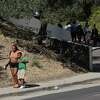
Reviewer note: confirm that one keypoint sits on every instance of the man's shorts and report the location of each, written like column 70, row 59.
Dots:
column 13, row 65
column 21, row 73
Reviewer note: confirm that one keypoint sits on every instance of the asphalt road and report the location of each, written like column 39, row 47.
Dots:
column 83, row 94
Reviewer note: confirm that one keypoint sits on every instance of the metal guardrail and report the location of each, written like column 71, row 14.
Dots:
column 77, row 53
column 95, row 59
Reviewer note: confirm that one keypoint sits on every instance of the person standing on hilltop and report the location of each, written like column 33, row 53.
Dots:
column 94, row 35
column 80, row 33
column 73, row 31
column 86, row 31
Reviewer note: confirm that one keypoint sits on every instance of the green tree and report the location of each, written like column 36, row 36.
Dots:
column 86, row 6
column 52, row 10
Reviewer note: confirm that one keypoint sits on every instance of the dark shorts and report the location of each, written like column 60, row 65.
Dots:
column 13, row 65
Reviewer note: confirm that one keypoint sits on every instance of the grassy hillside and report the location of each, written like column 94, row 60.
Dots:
column 95, row 18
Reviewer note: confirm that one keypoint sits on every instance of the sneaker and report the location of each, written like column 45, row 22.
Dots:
column 21, row 87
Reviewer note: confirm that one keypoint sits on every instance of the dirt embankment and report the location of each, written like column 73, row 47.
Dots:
column 41, row 68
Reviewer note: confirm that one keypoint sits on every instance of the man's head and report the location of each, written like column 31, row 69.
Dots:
column 14, row 48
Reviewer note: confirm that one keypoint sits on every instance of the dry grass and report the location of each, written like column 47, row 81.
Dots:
column 43, row 68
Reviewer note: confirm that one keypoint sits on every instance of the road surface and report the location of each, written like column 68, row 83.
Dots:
column 83, row 94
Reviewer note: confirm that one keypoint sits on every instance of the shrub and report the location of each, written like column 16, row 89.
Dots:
column 36, row 63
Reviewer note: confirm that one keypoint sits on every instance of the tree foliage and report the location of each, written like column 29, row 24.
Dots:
column 52, row 10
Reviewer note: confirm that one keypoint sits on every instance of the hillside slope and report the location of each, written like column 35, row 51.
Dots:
column 41, row 68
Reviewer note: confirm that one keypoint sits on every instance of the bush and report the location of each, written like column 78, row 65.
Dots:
column 36, row 63
column 95, row 17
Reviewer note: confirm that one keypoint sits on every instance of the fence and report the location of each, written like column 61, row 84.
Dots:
column 79, row 54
